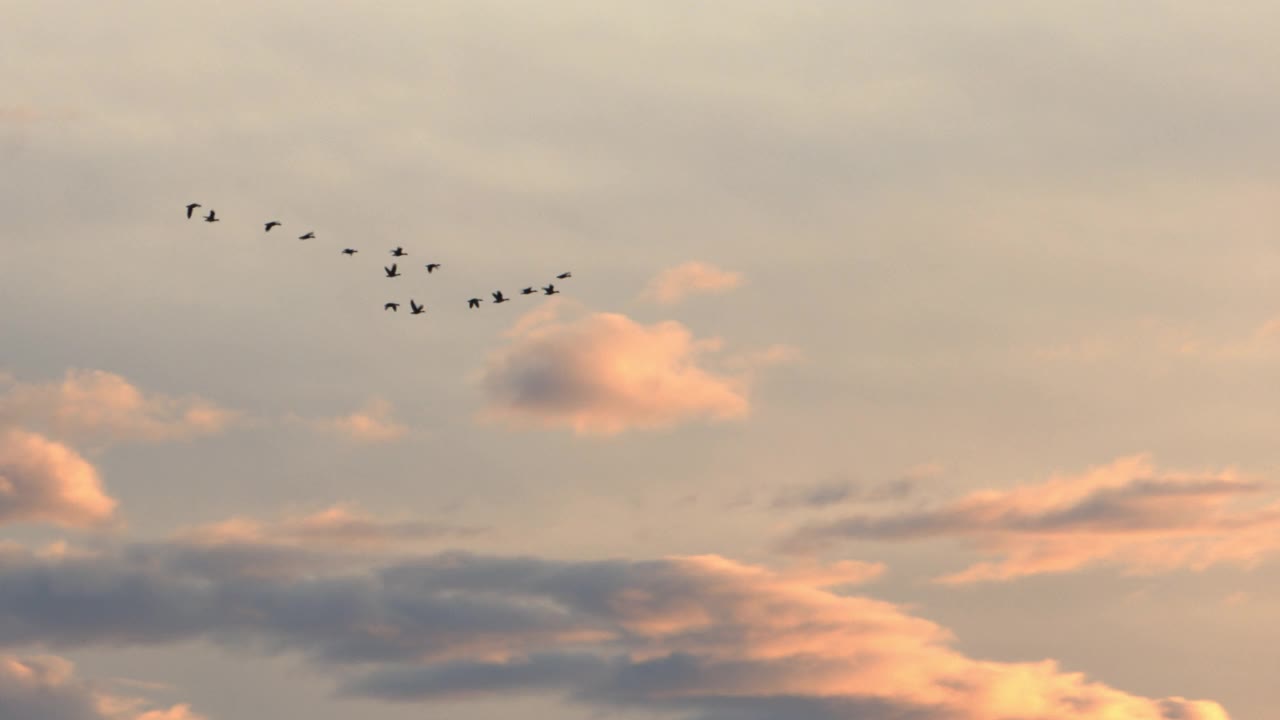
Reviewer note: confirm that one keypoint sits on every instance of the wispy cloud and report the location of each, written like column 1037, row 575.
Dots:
column 375, row 423
column 692, row 278
column 46, row 687
column 337, row 526
column 604, row 373
column 1128, row 514
column 97, row 406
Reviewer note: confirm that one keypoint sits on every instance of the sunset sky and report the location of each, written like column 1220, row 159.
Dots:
column 917, row 362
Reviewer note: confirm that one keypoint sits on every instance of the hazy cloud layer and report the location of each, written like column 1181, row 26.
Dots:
column 98, row 406
column 692, row 278
column 605, row 373
column 702, row 636
column 46, row 688
column 1127, row 514
column 45, row 481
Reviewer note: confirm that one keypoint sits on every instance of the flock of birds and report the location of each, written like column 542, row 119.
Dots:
column 393, row 270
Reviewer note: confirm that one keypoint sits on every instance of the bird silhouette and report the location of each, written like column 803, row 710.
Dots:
column 308, row 236
column 350, row 251
column 497, row 297
column 415, row 308
column 398, row 252
column 191, row 208
column 391, row 271
column 528, row 291
column 564, row 275
column 272, row 224
column 474, row 302
column 431, row 267
column 550, row 290
column 393, row 307
column 212, row 218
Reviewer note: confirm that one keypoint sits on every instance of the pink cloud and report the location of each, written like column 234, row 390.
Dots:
column 605, row 373
column 340, row 526
column 46, row 687
column 41, row 480
column 373, row 424
column 1126, row 514
column 675, row 284
column 100, row 406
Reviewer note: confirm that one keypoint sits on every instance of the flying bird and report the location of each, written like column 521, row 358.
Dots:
column 415, row 308
column 528, row 291
column 398, row 252
column 391, row 271
column 350, row 251
column 191, row 208
column 474, row 302
column 272, row 224
column 550, row 290
column 308, row 236
column 497, row 297
column 393, row 307
column 211, row 217
column 431, row 267
column 564, row 275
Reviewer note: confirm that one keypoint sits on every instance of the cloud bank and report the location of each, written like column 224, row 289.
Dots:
column 1126, row 514
column 701, row 637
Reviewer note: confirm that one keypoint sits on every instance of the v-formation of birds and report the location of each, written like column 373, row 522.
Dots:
column 393, row 270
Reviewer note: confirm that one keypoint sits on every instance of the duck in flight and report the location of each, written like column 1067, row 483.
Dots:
column 211, row 217
column 474, row 302
column 415, row 308
column 308, row 236
column 391, row 271
column 498, row 298
column 272, row 224
column 192, row 208
column 393, row 307
column 398, row 252
column 550, row 290
column 528, row 291
column 431, row 267
column 350, row 251
column 564, row 275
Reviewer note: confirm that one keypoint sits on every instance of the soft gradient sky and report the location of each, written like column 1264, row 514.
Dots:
column 918, row 361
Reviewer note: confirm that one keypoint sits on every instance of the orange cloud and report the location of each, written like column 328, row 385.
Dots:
column 101, row 406
column 41, row 480
column 373, row 424
column 674, row 284
column 605, row 373
column 1126, row 514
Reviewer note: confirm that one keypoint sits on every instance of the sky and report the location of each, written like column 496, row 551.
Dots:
column 916, row 361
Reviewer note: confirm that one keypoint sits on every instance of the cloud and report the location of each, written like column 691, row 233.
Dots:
column 1126, row 514
column 605, row 373
column 692, row 278
column 98, row 406
column 45, row 687
column 336, row 526
column 704, row 637
column 373, row 424
column 44, row 481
